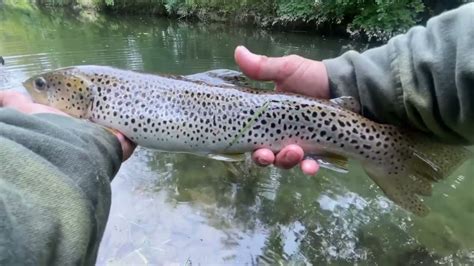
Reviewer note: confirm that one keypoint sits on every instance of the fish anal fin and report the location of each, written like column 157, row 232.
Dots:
column 401, row 189
column 242, row 169
column 434, row 160
column 347, row 102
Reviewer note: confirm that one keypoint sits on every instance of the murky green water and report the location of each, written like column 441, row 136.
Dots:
column 170, row 208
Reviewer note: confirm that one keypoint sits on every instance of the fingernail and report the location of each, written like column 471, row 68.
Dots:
column 242, row 47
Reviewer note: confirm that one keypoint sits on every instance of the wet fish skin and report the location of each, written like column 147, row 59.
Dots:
column 171, row 113
column 175, row 114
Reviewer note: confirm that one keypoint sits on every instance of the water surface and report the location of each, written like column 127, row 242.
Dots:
column 175, row 208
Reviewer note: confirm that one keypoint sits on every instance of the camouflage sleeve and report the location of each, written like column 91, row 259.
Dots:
column 424, row 77
column 55, row 178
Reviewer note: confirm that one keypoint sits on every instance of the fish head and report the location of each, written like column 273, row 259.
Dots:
column 63, row 89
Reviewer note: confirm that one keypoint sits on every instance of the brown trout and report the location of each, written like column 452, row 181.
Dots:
column 174, row 113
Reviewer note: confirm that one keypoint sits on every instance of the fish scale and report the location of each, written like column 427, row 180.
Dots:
column 173, row 113
column 190, row 118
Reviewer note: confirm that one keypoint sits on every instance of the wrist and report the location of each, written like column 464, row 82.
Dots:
column 322, row 89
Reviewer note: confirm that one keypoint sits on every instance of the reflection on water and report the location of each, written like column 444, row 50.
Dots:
column 187, row 209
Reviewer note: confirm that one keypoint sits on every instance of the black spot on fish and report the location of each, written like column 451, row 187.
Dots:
column 305, row 117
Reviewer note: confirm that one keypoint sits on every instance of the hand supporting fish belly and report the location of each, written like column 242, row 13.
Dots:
column 177, row 114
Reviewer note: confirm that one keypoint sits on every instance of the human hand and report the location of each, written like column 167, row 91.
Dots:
column 24, row 104
column 290, row 74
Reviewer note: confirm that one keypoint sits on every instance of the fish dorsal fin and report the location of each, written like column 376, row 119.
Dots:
column 331, row 161
column 347, row 102
column 219, row 77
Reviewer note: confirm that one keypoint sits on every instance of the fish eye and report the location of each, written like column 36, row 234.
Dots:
column 40, row 83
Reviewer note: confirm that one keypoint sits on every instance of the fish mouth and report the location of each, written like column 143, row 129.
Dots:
column 27, row 85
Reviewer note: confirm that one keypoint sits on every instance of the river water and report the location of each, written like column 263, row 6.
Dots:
column 175, row 208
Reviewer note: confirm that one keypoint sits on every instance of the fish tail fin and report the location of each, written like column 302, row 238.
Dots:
column 422, row 164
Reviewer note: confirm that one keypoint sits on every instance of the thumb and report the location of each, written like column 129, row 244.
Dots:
column 260, row 67
column 290, row 73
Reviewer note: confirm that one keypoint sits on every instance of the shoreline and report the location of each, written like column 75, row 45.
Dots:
column 237, row 17
column 373, row 22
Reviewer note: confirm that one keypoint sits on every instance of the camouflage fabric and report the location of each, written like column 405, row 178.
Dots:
column 424, row 77
column 54, row 188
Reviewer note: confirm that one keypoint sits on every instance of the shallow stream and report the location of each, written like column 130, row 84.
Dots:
column 176, row 208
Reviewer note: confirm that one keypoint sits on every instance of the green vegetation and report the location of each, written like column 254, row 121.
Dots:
column 372, row 19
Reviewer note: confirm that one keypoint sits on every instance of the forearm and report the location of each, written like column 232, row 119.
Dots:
column 424, row 77
column 54, row 180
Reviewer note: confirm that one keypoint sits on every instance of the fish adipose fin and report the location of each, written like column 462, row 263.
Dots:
column 347, row 102
column 426, row 163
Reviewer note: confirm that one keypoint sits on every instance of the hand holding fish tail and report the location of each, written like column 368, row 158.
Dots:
column 291, row 74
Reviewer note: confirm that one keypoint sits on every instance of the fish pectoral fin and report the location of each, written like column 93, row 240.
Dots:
column 404, row 190
column 111, row 130
column 236, row 157
column 347, row 102
column 331, row 161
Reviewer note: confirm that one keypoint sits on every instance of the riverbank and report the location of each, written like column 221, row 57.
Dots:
column 367, row 20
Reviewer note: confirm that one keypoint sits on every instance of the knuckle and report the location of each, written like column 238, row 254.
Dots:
column 289, row 66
